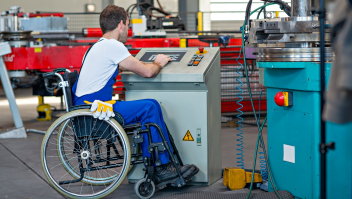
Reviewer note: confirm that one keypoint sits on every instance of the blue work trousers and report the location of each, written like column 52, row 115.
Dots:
column 145, row 111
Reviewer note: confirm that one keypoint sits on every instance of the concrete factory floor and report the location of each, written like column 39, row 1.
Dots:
column 21, row 174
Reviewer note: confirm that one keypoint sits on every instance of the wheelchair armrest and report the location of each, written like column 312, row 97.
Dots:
column 132, row 126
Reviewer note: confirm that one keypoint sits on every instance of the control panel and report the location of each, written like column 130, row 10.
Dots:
column 188, row 91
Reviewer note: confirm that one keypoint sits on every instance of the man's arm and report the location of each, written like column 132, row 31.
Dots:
column 145, row 70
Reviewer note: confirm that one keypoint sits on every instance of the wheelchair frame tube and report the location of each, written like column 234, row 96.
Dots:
column 63, row 86
column 166, row 145
column 174, row 146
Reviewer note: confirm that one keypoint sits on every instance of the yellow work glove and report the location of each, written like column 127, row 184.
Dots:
column 102, row 110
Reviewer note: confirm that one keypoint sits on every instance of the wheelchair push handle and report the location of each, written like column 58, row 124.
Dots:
column 58, row 70
column 45, row 75
column 61, row 70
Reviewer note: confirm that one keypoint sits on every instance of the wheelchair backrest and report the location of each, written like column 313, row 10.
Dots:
column 71, row 79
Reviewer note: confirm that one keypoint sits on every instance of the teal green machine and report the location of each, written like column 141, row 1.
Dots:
column 288, row 57
column 294, row 133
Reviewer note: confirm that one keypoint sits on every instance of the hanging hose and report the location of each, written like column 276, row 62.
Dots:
column 263, row 170
column 240, row 162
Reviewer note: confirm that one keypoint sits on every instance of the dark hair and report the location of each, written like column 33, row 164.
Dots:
column 110, row 18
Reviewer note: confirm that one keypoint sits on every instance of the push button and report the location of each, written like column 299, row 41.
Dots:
column 200, row 56
column 195, row 63
column 195, row 56
column 201, row 49
column 283, row 98
column 198, row 59
column 190, row 63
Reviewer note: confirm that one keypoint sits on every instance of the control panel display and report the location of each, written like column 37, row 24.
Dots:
column 150, row 56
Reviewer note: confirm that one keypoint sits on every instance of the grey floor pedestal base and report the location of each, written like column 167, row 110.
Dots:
column 13, row 133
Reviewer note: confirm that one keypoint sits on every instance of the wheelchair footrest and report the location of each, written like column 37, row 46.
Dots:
column 179, row 183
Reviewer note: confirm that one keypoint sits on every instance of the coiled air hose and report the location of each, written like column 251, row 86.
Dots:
column 260, row 128
column 240, row 162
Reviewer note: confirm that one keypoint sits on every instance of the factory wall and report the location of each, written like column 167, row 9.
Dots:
column 50, row 5
column 79, row 6
column 75, row 5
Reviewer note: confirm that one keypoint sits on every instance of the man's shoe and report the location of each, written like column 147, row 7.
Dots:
column 182, row 169
column 167, row 174
column 163, row 173
column 192, row 174
column 168, row 171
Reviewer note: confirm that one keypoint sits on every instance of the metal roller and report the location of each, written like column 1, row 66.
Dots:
column 293, row 54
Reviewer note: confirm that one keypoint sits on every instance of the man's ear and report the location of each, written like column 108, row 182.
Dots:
column 121, row 25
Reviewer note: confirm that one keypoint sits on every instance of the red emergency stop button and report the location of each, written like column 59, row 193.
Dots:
column 201, row 49
column 279, row 99
column 283, row 98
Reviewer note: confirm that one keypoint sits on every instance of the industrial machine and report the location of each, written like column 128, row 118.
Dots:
column 15, row 20
column 148, row 24
column 188, row 90
column 288, row 55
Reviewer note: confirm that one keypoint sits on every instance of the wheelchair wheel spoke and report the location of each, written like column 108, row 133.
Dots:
column 90, row 133
column 65, row 174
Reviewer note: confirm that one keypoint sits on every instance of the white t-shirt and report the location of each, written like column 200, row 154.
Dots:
column 100, row 64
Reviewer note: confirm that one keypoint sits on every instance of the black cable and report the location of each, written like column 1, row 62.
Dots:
column 284, row 6
column 156, row 9
column 138, row 5
column 260, row 11
column 322, row 102
column 128, row 9
column 149, row 7
column 248, row 12
column 264, row 10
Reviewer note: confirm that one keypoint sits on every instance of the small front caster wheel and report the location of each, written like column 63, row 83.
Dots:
column 144, row 191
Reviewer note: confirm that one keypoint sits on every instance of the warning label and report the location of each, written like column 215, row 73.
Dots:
column 188, row 137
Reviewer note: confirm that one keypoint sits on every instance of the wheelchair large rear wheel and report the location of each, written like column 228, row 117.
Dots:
column 83, row 157
column 75, row 172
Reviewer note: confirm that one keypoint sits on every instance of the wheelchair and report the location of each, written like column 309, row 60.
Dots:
column 84, row 157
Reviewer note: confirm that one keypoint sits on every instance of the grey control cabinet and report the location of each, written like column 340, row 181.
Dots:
column 189, row 97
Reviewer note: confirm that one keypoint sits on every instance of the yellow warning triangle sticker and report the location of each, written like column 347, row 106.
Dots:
column 188, row 137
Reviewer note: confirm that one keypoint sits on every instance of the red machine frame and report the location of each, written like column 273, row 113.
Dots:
column 48, row 58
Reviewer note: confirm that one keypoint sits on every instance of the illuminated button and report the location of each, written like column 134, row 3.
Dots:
column 195, row 63
column 198, row 59
column 200, row 56
column 190, row 63
column 193, row 59
column 195, row 56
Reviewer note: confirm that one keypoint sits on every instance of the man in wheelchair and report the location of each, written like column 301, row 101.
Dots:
column 100, row 66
